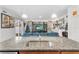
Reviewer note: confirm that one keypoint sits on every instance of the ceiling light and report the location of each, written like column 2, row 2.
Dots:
column 40, row 16
column 24, row 16
column 54, row 16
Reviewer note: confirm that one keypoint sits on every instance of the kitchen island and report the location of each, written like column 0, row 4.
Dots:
column 40, row 45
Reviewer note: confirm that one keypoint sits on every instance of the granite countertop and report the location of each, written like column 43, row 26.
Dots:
column 58, row 44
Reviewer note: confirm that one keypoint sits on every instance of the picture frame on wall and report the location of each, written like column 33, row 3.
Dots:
column 6, row 21
column 74, row 12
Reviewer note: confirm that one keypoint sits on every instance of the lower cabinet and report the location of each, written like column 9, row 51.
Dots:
column 8, row 52
column 39, row 52
column 69, row 52
column 48, row 52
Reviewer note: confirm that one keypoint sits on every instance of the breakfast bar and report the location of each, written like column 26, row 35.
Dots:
column 40, row 45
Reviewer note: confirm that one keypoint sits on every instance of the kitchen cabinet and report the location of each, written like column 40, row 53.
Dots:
column 39, row 52
column 48, row 52
column 69, row 52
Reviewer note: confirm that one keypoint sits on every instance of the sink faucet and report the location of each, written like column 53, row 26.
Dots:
column 39, row 37
column 50, row 44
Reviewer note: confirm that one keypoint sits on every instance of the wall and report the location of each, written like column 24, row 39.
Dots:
column 73, row 25
column 6, row 33
column 50, row 26
column 20, row 29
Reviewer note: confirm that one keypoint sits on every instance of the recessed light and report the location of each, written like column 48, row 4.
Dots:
column 40, row 16
column 24, row 16
column 54, row 16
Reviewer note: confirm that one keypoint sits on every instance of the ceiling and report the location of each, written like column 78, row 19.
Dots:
column 34, row 11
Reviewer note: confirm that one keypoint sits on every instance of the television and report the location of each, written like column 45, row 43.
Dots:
column 39, row 27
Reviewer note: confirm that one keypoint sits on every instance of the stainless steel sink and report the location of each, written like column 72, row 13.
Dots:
column 39, row 44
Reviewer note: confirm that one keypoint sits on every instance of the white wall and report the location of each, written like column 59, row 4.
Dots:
column 73, row 25
column 6, row 33
column 22, row 28
column 19, row 29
